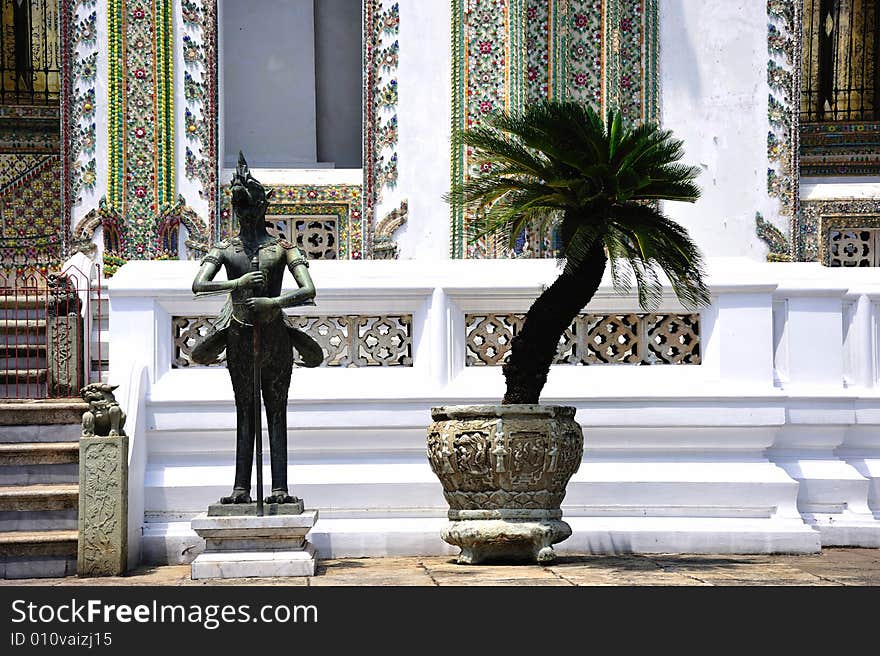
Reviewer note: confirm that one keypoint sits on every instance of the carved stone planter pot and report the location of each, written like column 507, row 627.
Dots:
column 504, row 469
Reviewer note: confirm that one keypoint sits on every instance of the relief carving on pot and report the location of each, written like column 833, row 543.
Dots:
column 505, row 463
column 528, row 451
column 568, row 453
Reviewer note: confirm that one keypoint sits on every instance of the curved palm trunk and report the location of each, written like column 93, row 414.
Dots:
column 533, row 349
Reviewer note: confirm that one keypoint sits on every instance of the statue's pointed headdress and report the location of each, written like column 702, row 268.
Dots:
column 242, row 171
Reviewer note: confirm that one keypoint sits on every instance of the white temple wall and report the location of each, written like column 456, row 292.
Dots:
column 761, row 447
column 713, row 91
column 425, row 118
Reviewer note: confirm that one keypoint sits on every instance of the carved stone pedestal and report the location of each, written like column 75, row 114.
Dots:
column 103, row 506
column 504, row 470
column 247, row 546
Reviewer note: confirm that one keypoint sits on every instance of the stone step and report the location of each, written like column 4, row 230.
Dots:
column 22, row 376
column 41, row 433
column 15, row 350
column 39, row 497
column 38, row 554
column 38, row 543
column 25, row 412
column 39, row 453
column 17, row 326
column 20, row 301
column 67, row 473
column 32, row 463
column 33, row 360
column 39, row 520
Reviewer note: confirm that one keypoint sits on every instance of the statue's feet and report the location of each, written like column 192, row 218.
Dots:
column 237, row 496
column 281, row 496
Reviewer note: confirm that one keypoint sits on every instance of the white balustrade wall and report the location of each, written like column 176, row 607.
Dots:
column 770, row 444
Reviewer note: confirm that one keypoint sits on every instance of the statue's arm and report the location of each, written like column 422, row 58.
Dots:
column 299, row 267
column 204, row 282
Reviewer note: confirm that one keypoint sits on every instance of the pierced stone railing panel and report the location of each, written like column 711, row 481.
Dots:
column 383, row 341
column 592, row 339
column 610, row 338
column 488, row 337
column 347, row 340
column 853, row 248
column 673, row 338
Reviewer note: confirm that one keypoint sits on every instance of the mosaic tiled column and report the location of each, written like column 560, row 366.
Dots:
column 784, row 38
column 197, row 40
column 507, row 53
column 141, row 181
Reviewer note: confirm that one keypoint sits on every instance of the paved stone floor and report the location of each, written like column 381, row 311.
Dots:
column 833, row 567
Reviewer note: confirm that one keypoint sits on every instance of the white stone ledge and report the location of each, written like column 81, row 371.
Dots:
column 340, row 538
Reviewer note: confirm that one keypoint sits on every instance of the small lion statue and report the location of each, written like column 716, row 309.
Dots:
column 104, row 417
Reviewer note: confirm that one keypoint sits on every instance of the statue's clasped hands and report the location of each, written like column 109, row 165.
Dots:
column 259, row 305
column 251, row 280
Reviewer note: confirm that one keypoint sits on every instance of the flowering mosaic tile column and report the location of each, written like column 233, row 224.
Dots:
column 141, row 179
column 507, row 53
column 198, row 35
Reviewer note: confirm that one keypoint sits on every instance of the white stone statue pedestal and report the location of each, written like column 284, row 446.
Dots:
column 247, row 546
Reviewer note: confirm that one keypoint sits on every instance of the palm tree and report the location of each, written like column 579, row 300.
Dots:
column 559, row 161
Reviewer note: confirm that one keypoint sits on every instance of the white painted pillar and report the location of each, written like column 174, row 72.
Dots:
column 814, row 336
column 740, row 345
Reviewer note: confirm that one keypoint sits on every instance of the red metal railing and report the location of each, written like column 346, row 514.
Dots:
column 46, row 334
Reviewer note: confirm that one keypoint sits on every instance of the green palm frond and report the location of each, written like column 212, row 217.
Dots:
column 559, row 161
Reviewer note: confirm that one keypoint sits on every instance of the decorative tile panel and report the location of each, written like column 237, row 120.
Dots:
column 783, row 78
column 198, row 34
column 507, row 53
column 818, row 217
column 319, row 206
column 840, row 149
column 141, row 181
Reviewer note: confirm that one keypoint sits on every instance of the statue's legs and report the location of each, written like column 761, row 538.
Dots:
column 277, row 369
column 239, row 361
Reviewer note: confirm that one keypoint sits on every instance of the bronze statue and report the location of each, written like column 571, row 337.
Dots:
column 258, row 337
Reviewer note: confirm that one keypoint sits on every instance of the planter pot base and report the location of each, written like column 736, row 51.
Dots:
column 484, row 540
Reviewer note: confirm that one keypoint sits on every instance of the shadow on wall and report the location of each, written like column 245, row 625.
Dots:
column 677, row 51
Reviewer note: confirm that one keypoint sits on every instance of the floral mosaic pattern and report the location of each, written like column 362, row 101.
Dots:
column 30, row 211
column 480, row 78
column 783, row 44
column 381, row 57
column 199, row 35
column 510, row 52
column 582, row 55
column 538, row 45
column 80, row 49
column 635, row 91
column 141, row 122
